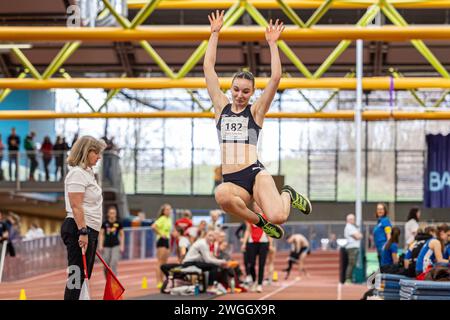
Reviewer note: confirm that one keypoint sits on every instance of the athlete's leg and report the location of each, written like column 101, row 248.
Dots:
column 301, row 264
column 234, row 199
column 275, row 206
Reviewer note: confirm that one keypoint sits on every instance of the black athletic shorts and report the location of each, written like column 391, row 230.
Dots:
column 162, row 242
column 245, row 178
column 295, row 255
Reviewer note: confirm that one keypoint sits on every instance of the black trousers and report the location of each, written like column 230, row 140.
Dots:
column 260, row 249
column 33, row 165
column 46, row 164
column 75, row 276
column 215, row 272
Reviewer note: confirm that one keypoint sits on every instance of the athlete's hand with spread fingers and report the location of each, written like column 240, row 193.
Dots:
column 216, row 20
column 273, row 31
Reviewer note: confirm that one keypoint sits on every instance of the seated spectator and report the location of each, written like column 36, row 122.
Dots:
column 2, row 148
column 4, row 234
column 410, row 258
column 196, row 232
column 34, row 232
column 389, row 253
column 432, row 252
column 200, row 256
column 220, row 237
column 182, row 243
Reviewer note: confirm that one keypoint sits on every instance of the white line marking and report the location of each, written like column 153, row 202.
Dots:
column 278, row 290
column 339, row 291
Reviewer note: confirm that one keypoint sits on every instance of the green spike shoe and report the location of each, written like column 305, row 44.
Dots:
column 298, row 200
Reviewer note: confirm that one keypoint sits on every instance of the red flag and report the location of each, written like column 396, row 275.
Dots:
column 113, row 288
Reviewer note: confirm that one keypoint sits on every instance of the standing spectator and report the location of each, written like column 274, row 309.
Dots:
column 60, row 149
column 217, row 177
column 34, row 232
column 256, row 244
column 13, row 154
column 332, row 242
column 353, row 236
column 2, row 148
column 162, row 228
column 214, row 223
column 411, row 226
column 13, row 223
column 30, row 147
column 111, row 240
column 75, row 138
column 382, row 231
column 84, row 202
column 185, row 222
column 108, row 158
column 47, row 150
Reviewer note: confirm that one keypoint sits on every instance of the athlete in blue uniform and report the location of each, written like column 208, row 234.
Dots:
column 238, row 126
column 389, row 254
column 432, row 252
column 447, row 251
column 382, row 231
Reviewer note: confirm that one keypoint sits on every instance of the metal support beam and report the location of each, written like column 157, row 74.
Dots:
column 295, row 4
column 4, row 66
column 374, row 83
column 348, row 115
column 238, row 33
column 358, row 130
column 398, row 20
column 365, row 20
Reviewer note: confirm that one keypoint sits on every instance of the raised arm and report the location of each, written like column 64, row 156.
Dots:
column 219, row 99
column 262, row 105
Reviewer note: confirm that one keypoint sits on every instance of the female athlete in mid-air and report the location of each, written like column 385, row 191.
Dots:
column 238, row 126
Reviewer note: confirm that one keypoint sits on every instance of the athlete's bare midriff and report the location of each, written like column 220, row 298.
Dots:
column 237, row 156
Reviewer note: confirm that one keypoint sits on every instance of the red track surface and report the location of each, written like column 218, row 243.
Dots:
column 321, row 284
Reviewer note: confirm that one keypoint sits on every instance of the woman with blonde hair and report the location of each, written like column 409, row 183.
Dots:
column 84, row 207
column 162, row 227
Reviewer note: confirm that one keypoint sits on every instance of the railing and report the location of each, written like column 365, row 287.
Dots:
column 39, row 256
column 34, row 170
column 323, row 174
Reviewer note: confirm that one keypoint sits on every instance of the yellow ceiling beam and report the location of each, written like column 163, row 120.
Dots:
column 294, row 4
column 339, row 115
column 373, row 83
column 237, row 33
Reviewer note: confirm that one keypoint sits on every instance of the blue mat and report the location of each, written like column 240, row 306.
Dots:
column 426, row 285
column 405, row 296
column 415, row 291
column 388, row 276
column 386, row 295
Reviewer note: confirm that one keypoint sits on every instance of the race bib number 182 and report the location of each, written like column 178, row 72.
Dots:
column 234, row 128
